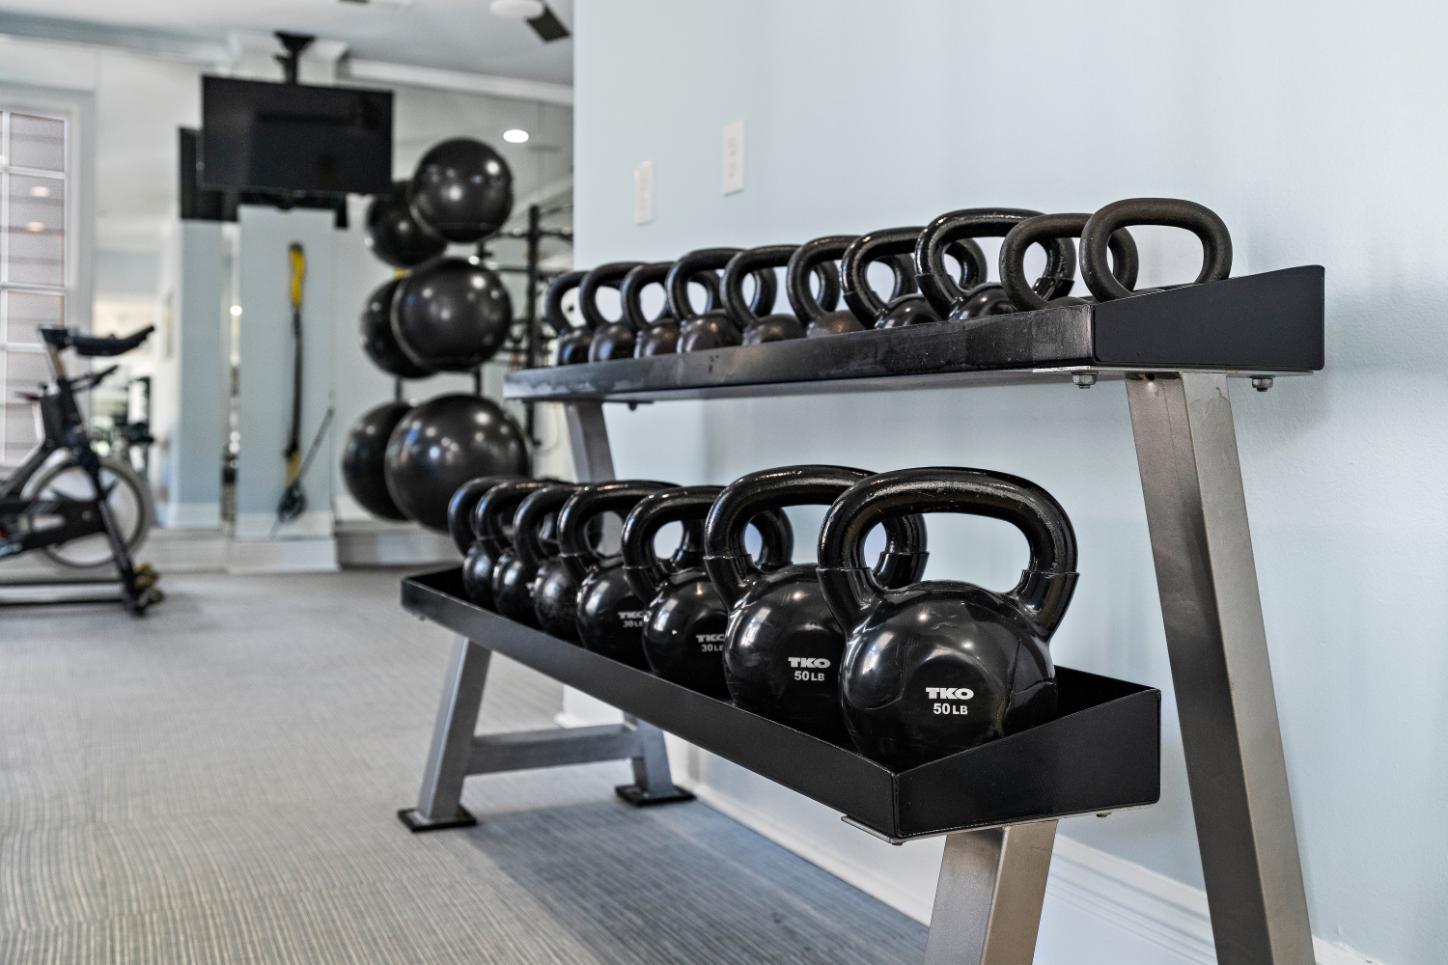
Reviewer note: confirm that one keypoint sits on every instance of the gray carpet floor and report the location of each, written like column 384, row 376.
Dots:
column 218, row 782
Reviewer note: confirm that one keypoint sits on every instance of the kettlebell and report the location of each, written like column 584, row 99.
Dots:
column 660, row 335
column 940, row 666
column 489, row 541
column 779, row 326
column 1201, row 221
column 684, row 621
column 954, row 301
column 711, row 329
column 1046, row 227
column 813, row 258
column 910, row 308
column 460, row 510
column 783, row 646
column 611, row 339
column 493, row 518
column 572, row 341
column 608, row 616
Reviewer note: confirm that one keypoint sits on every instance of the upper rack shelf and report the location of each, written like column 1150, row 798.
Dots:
column 1267, row 324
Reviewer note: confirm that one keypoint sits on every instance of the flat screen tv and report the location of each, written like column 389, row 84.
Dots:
column 257, row 135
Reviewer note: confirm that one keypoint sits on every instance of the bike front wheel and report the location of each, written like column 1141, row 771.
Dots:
column 128, row 499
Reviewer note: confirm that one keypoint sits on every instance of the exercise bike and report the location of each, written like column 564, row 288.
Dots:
column 82, row 510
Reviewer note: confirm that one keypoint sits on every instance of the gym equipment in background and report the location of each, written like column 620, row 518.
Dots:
column 685, row 617
column 462, row 190
column 611, row 339
column 608, row 614
column 949, row 300
column 395, row 235
column 659, row 335
column 378, row 340
column 755, row 329
column 293, row 501
column 1168, row 212
column 1049, row 227
column 452, row 315
column 938, row 667
column 81, row 510
column 364, row 459
column 441, row 444
column 784, row 647
column 571, row 340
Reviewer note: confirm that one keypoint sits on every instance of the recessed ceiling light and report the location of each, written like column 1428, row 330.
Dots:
column 515, row 135
column 40, row 191
column 35, row 227
column 235, row 311
column 517, row 9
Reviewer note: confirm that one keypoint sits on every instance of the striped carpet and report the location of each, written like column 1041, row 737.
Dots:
column 217, row 782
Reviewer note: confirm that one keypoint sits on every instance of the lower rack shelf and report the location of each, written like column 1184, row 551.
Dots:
column 1101, row 753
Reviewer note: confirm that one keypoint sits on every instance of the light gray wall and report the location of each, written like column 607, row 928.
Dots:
column 126, row 274
column 1317, row 131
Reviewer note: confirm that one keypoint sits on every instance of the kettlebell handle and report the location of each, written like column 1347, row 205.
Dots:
column 728, row 564
column 1201, row 221
column 942, row 291
column 553, row 318
column 761, row 262
column 502, row 500
column 530, row 516
column 608, row 275
column 630, row 291
column 643, row 569
column 812, row 259
column 686, row 269
column 1046, row 227
column 587, row 504
column 895, row 246
column 1046, row 584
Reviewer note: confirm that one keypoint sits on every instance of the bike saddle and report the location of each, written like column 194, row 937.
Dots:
column 92, row 346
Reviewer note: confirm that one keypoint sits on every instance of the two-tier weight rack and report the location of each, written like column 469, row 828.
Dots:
column 998, row 804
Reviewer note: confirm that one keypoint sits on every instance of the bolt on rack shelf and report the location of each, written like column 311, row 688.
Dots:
column 1177, row 351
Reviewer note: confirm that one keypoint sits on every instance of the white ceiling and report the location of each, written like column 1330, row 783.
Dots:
column 450, row 34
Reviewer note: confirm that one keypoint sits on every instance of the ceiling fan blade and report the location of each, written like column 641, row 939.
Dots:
column 547, row 26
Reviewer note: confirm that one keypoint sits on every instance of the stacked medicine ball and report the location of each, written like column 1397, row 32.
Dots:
column 851, row 652
column 704, row 291
column 440, row 314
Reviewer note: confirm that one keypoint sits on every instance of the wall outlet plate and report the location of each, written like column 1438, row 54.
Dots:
column 733, row 157
column 644, row 192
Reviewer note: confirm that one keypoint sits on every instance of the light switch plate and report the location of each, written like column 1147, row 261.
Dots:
column 733, row 157
column 644, row 192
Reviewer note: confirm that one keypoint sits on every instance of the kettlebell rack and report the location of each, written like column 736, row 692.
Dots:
column 998, row 804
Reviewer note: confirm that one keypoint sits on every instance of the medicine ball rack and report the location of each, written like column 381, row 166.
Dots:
column 1176, row 350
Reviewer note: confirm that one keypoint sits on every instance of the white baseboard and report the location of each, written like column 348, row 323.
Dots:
column 282, row 556
column 311, row 525
column 383, row 543
column 175, row 516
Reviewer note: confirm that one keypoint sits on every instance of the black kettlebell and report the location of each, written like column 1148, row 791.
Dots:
column 937, row 667
column 1201, row 221
column 493, row 519
column 608, row 615
column 611, row 339
column 488, row 544
column 684, row 621
column 783, row 646
column 954, row 301
column 779, row 326
column 910, row 308
column 812, row 259
column 1047, row 227
column 573, row 341
column 659, row 335
column 460, row 510
column 718, row 328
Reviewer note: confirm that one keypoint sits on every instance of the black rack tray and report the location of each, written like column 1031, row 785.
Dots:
column 1102, row 753
column 1267, row 324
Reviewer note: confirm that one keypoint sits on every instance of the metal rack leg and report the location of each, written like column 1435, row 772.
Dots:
column 439, row 805
column 653, row 783
column 988, row 900
column 1186, row 448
